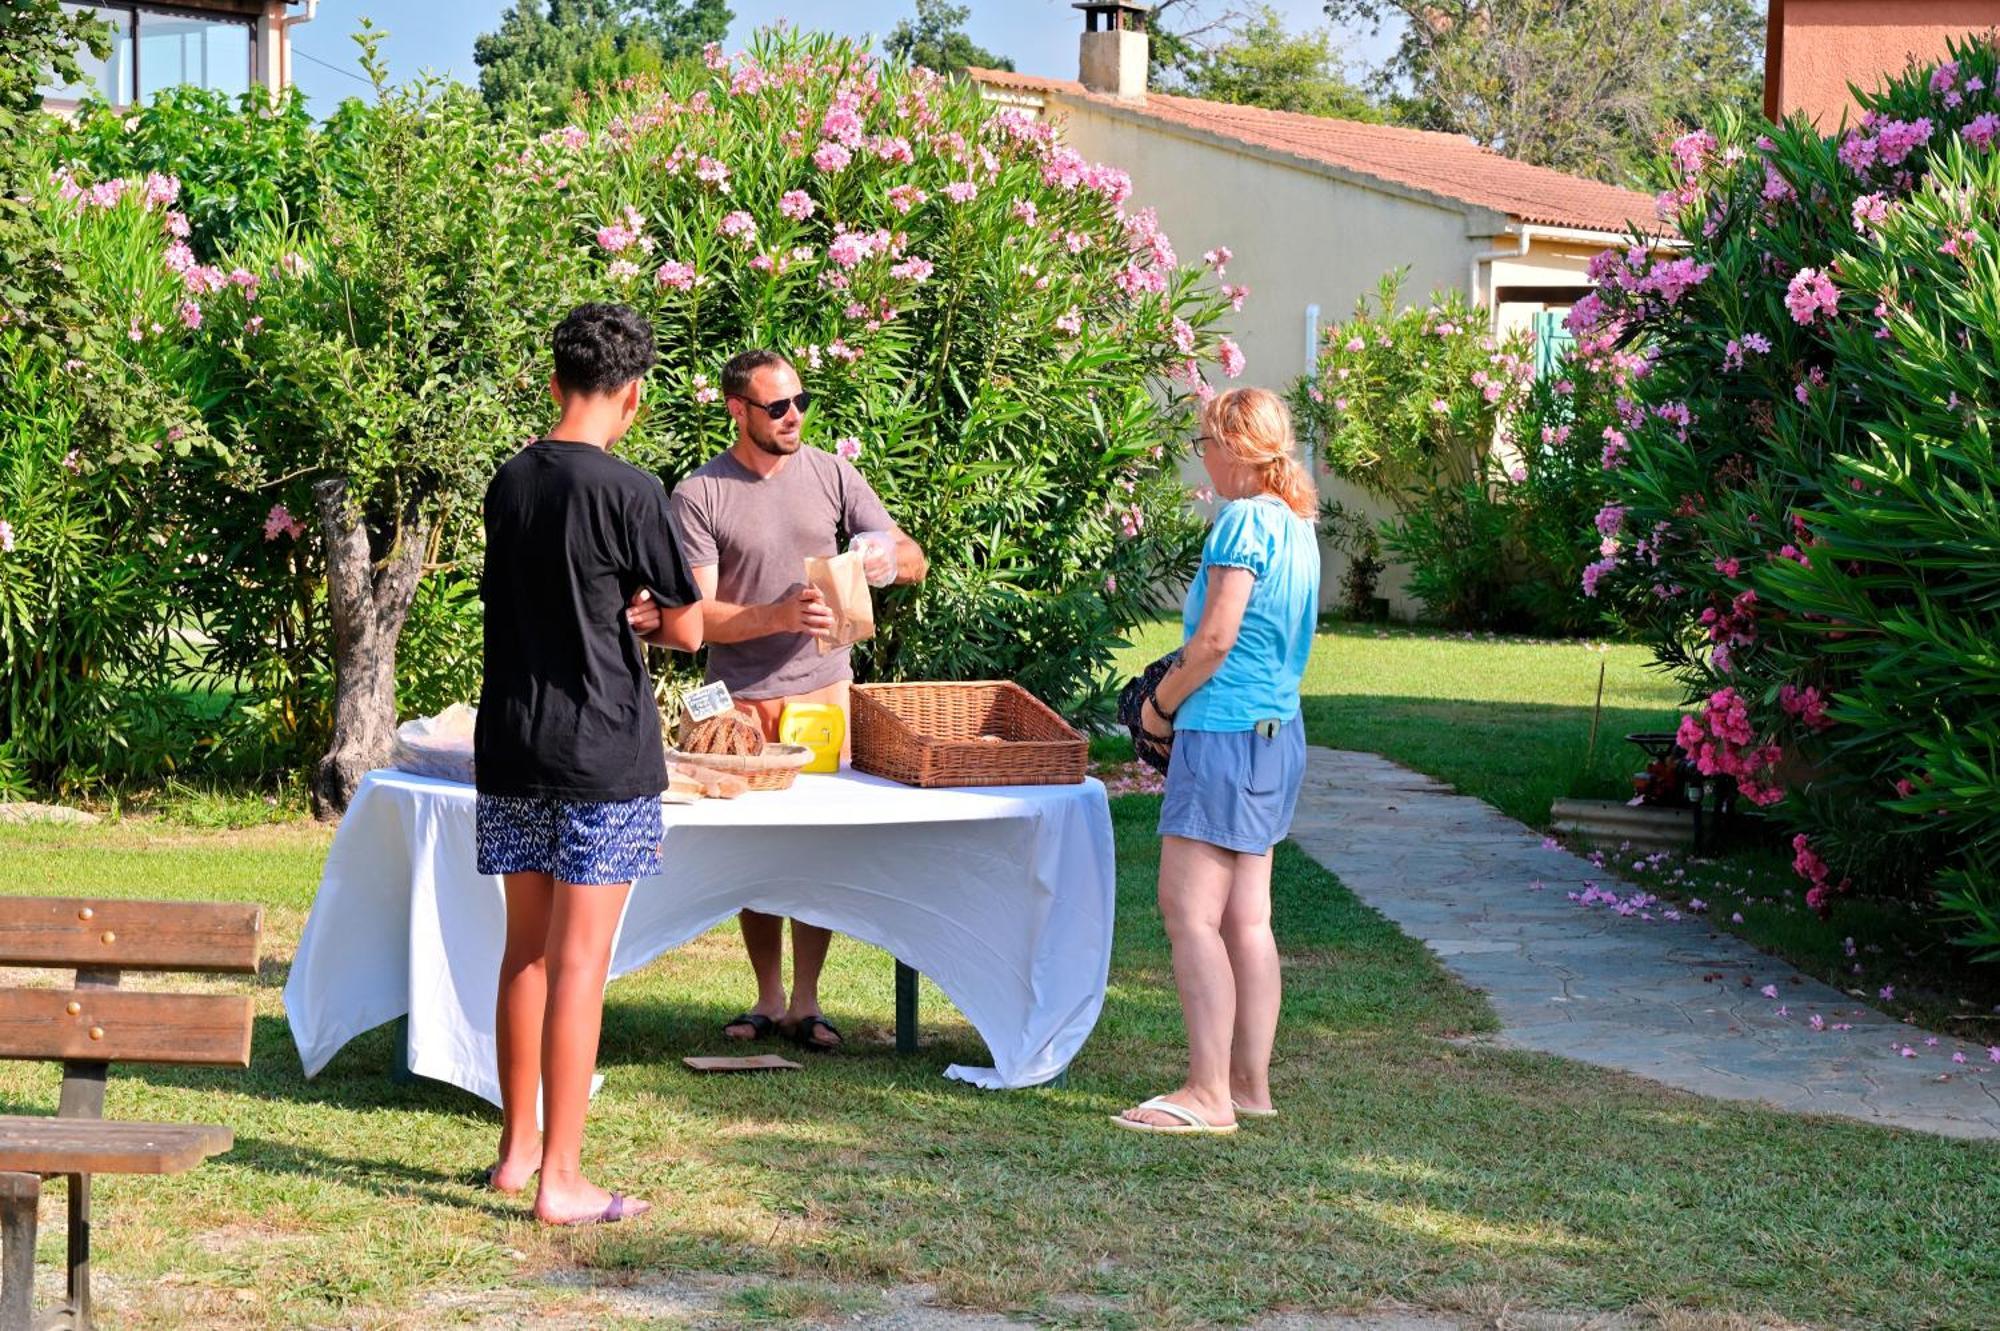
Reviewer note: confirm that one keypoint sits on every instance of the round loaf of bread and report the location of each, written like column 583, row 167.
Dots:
column 727, row 734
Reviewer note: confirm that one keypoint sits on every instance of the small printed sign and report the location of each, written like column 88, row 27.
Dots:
column 706, row 701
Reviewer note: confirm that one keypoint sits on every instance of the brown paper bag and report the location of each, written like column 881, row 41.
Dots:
column 843, row 581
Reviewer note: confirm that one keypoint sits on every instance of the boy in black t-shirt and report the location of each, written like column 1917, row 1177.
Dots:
column 567, row 750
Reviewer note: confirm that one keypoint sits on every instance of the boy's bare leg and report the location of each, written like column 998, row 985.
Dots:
column 517, row 1026
column 581, row 926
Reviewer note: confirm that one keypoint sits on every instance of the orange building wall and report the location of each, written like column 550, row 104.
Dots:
column 1817, row 47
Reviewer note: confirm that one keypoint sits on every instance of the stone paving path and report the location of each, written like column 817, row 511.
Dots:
column 1588, row 984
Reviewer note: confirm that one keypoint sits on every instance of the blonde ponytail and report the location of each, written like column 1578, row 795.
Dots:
column 1256, row 428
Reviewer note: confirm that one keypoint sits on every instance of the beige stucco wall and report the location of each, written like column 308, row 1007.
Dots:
column 1301, row 237
column 1827, row 44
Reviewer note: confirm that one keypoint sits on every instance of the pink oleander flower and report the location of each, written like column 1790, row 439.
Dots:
column 912, row 270
column 673, row 273
column 711, row 172
column 1235, row 295
column 190, row 314
column 797, row 205
column 1070, row 322
column 161, row 191
column 1776, row 188
column 6, row 537
column 738, row 226
column 1728, row 568
column 623, row 270
column 280, row 522
column 832, row 158
column 848, row 447
column 1810, row 294
column 1218, row 259
column 1356, row 344
column 961, row 191
column 1596, row 573
column 1024, row 211
column 1869, row 211
column 905, row 197
column 1231, row 357
column 179, row 257
column 1982, row 130
column 1610, row 519
column 1183, row 336
column 704, row 391
column 1616, row 448
column 293, row 265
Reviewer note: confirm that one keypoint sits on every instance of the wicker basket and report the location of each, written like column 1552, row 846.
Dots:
column 989, row 734
column 773, row 769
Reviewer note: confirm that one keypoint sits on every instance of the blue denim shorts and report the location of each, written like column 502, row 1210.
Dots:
column 1234, row 788
column 574, row 840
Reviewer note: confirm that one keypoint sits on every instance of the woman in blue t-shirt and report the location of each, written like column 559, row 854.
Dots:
column 1239, row 755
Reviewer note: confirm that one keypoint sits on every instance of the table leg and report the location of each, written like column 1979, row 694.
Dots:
column 906, row 1009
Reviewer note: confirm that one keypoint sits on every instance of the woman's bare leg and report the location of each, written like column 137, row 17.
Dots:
column 1195, row 883
column 1253, row 960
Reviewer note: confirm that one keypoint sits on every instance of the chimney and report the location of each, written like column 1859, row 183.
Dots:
column 1113, row 53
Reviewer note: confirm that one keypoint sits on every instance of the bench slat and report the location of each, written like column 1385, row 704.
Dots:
column 131, row 935
column 34, row 1145
column 210, row 1029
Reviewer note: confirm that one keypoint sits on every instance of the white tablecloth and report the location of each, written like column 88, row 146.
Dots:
column 1002, row 896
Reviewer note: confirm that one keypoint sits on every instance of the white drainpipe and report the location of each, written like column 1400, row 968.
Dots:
column 285, row 35
column 1485, row 299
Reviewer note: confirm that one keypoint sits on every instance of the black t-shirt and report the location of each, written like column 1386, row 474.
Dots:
column 567, row 709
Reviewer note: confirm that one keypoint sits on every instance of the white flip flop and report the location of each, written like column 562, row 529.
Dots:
column 1243, row 1111
column 1191, row 1123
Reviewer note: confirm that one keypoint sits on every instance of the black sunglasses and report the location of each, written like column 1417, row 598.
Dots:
column 777, row 410
column 1201, row 443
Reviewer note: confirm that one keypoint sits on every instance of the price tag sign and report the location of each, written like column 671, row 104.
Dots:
column 706, row 701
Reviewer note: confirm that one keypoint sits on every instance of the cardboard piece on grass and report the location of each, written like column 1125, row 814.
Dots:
column 753, row 1063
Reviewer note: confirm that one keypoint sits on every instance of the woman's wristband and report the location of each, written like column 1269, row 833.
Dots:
column 1162, row 712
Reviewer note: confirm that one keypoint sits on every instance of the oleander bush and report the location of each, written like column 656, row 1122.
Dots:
column 1486, row 466
column 1006, row 351
column 1804, row 480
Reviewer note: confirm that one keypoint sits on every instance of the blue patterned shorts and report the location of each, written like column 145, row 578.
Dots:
column 574, row 840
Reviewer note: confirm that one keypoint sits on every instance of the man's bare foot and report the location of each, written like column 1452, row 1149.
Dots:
column 1216, row 1115
column 746, row 1030
column 584, row 1203
column 812, row 1029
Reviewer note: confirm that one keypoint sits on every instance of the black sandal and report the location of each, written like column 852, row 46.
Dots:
column 760, row 1025
column 802, row 1033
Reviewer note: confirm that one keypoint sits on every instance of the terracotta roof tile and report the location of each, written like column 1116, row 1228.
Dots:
column 1446, row 165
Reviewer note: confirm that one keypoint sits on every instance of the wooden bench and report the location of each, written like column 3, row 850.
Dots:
column 91, row 1026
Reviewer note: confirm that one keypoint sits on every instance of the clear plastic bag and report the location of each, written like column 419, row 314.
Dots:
column 437, row 746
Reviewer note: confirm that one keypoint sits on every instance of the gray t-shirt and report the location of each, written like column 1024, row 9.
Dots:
column 757, row 531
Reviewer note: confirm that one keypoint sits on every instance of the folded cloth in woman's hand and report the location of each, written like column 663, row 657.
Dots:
column 1153, row 751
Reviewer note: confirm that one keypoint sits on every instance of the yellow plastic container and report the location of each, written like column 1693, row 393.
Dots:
column 820, row 726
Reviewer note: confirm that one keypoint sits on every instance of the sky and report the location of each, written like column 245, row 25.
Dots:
column 1039, row 35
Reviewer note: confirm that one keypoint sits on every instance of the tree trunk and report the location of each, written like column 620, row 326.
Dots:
column 368, row 601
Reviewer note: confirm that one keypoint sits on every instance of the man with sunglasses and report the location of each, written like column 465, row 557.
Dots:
column 748, row 519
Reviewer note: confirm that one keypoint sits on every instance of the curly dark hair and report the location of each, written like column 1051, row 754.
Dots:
column 600, row 348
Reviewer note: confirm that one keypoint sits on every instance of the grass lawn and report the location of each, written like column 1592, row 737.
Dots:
column 1506, row 719
column 1411, row 1162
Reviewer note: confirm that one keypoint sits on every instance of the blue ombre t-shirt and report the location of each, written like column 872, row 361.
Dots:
column 1259, row 679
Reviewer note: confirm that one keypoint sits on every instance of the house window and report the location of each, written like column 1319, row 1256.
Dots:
column 155, row 47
